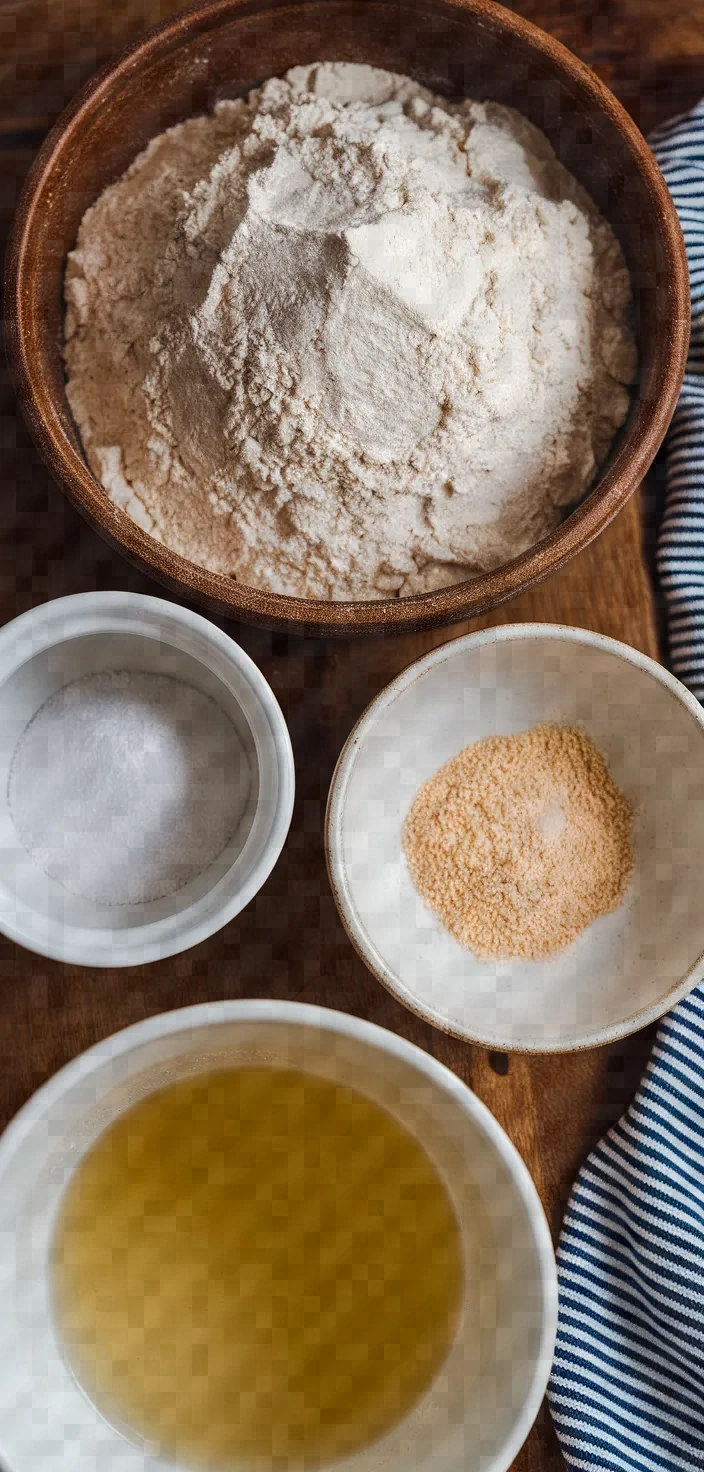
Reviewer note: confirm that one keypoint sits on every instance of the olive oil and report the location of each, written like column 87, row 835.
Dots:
column 257, row 1268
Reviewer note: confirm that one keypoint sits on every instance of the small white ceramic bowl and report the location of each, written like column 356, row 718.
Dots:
column 43, row 650
column 629, row 967
column 483, row 1401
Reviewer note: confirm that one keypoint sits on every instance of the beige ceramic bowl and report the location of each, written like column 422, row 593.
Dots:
column 630, row 966
column 457, row 47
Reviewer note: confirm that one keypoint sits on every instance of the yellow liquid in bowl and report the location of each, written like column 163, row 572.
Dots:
column 257, row 1268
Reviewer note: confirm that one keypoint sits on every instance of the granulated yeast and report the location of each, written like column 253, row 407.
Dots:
column 520, row 842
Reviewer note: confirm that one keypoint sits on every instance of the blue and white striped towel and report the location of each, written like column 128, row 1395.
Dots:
column 679, row 149
column 627, row 1387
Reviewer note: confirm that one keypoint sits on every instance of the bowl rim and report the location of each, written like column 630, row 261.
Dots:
column 333, row 827
column 328, row 1019
column 39, row 399
column 80, row 615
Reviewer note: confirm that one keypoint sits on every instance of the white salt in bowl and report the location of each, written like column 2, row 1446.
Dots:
column 626, row 969
column 477, row 1412
column 44, row 650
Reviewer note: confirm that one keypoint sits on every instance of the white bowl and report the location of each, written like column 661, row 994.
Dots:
column 630, row 966
column 482, row 1403
column 43, row 650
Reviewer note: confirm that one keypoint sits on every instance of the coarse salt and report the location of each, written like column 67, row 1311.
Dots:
column 125, row 785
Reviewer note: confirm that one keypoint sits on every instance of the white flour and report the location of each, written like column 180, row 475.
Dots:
column 345, row 339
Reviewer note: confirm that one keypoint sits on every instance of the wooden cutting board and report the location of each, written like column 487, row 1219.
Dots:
column 289, row 941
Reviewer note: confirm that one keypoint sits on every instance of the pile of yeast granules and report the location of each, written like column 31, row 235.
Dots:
column 520, row 842
column 345, row 339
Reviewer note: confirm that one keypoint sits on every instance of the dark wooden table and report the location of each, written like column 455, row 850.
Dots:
column 289, row 942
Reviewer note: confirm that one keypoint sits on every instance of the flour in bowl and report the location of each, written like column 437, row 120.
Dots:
column 345, row 339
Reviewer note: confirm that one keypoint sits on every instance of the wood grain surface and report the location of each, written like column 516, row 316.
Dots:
column 289, row 942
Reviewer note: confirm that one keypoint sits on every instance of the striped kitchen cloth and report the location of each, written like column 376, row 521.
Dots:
column 627, row 1386
column 679, row 149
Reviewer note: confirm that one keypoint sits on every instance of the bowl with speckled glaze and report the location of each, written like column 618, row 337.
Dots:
column 629, row 966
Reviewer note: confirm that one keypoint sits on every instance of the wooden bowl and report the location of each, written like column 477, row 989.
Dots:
column 456, row 47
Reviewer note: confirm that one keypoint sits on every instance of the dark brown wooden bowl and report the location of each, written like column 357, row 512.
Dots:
column 456, row 47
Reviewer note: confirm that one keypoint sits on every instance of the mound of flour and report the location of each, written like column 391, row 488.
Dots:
column 344, row 339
